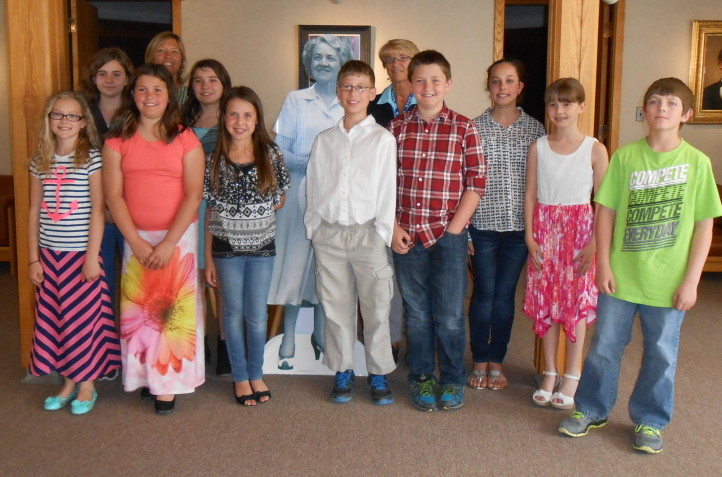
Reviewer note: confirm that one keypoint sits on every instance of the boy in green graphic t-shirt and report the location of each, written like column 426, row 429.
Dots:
column 653, row 230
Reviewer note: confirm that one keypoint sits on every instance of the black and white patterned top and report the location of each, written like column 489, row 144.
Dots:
column 501, row 209
column 242, row 221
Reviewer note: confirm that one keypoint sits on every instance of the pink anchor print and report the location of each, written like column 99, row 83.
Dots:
column 59, row 172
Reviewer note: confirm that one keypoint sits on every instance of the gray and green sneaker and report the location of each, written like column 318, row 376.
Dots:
column 423, row 389
column 578, row 425
column 647, row 439
column 451, row 397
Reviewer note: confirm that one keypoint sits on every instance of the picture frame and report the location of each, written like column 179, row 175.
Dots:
column 358, row 36
column 705, row 76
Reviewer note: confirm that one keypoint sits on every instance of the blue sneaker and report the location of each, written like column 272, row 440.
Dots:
column 380, row 392
column 423, row 388
column 343, row 389
column 451, row 398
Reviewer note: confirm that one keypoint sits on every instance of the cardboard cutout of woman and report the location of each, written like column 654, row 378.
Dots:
column 304, row 114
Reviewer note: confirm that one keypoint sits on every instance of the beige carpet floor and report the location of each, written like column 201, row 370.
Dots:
column 300, row 433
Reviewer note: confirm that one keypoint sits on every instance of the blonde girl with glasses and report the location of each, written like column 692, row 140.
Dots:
column 75, row 335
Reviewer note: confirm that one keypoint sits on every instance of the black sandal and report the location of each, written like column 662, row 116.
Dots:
column 260, row 394
column 242, row 400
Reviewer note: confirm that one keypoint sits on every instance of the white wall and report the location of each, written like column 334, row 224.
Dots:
column 257, row 41
column 5, row 162
column 658, row 43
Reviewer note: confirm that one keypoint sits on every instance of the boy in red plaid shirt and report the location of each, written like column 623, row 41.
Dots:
column 441, row 177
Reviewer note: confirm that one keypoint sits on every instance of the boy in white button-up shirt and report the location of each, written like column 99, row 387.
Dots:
column 351, row 200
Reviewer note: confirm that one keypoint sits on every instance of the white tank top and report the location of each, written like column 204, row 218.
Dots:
column 564, row 179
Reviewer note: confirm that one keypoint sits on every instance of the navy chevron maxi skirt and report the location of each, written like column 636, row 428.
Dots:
column 75, row 334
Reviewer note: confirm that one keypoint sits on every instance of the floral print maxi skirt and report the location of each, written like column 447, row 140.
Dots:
column 161, row 320
column 556, row 293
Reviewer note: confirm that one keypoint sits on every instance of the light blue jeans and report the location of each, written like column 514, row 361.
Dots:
column 245, row 281
column 652, row 400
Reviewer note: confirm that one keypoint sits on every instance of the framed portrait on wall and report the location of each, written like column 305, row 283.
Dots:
column 357, row 38
column 706, row 71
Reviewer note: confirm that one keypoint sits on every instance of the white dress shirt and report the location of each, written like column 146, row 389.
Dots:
column 351, row 178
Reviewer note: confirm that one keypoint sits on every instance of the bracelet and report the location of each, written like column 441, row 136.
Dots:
column 36, row 261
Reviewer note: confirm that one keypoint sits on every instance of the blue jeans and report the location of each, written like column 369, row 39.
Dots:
column 245, row 281
column 110, row 249
column 497, row 262
column 652, row 400
column 432, row 282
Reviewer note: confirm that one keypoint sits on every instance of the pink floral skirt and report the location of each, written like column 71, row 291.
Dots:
column 161, row 320
column 556, row 293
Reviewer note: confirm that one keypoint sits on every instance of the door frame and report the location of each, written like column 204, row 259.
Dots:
column 37, row 26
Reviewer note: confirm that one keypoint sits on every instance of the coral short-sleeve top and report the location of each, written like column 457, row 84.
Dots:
column 153, row 177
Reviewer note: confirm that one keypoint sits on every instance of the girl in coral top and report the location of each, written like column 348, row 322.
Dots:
column 153, row 185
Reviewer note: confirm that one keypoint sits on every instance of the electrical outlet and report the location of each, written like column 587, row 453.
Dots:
column 640, row 115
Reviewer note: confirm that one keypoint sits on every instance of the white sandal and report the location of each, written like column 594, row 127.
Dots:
column 567, row 402
column 546, row 396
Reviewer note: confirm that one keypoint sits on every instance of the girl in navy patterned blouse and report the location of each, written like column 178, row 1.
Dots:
column 498, row 250
column 245, row 183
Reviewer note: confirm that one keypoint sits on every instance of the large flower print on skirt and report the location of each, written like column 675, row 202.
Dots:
column 159, row 312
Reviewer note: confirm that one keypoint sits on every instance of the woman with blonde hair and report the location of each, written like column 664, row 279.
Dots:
column 167, row 49
column 396, row 98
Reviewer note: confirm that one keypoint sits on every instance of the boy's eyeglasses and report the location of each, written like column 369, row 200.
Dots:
column 70, row 117
column 393, row 59
column 347, row 88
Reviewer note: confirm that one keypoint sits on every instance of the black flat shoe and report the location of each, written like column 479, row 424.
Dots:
column 146, row 395
column 164, row 407
column 259, row 394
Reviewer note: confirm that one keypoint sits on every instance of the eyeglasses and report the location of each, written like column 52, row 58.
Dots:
column 347, row 88
column 393, row 59
column 70, row 117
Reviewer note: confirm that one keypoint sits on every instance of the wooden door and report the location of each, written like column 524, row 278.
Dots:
column 609, row 71
column 83, row 35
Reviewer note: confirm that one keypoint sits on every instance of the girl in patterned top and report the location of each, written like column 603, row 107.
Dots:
column 245, row 183
column 74, row 330
column 497, row 248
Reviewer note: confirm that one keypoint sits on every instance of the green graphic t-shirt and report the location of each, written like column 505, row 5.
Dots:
column 657, row 198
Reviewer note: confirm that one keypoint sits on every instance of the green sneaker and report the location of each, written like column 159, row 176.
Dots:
column 578, row 425
column 451, row 398
column 647, row 439
column 423, row 392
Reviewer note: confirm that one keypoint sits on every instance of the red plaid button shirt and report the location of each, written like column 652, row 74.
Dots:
column 437, row 162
